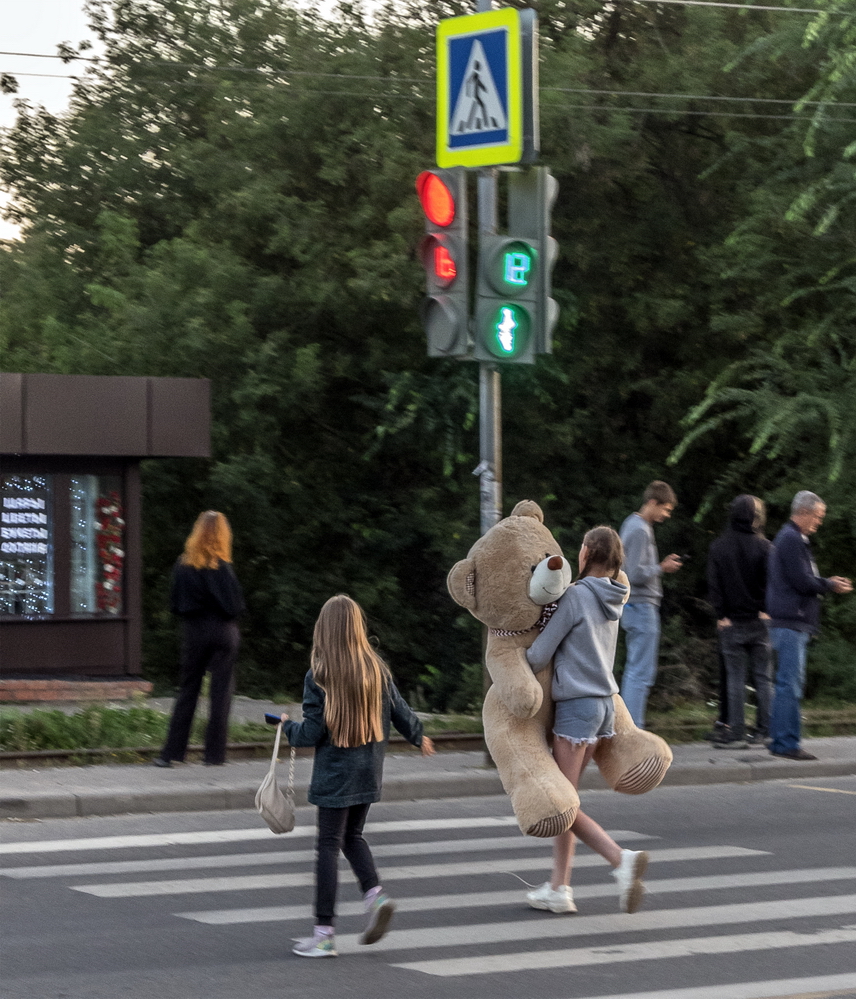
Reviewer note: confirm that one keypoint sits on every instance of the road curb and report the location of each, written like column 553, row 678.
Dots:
column 69, row 792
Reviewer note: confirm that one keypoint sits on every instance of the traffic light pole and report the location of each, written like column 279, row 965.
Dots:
column 490, row 387
column 490, row 384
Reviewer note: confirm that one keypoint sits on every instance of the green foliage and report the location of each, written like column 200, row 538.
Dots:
column 460, row 693
column 230, row 197
column 100, row 727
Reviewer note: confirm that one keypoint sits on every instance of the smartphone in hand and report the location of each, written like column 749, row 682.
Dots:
column 272, row 719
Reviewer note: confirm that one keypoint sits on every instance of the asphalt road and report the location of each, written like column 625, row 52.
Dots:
column 752, row 893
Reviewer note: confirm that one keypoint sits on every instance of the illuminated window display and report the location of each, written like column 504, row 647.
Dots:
column 97, row 544
column 26, row 546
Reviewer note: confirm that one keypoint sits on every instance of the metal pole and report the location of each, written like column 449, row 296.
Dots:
column 490, row 385
column 490, row 392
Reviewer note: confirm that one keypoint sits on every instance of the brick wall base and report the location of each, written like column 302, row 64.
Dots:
column 18, row 691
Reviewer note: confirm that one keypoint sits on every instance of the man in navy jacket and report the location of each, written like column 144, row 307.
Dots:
column 793, row 603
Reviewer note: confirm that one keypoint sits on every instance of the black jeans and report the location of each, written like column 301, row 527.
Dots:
column 207, row 644
column 340, row 829
column 742, row 642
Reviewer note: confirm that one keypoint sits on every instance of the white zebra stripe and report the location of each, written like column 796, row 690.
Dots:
column 488, row 899
column 485, row 844
column 464, row 869
column 652, row 950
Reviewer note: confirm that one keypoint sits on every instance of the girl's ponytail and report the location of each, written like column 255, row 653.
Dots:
column 605, row 549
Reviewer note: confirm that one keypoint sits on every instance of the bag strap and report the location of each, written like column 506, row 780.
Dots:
column 275, row 748
column 289, row 793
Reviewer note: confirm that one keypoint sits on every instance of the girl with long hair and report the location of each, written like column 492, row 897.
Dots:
column 580, row 640
column 349, row 700
column 206, row 596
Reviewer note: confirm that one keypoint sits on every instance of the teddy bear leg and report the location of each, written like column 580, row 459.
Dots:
column 543, row 799
column 632, row 761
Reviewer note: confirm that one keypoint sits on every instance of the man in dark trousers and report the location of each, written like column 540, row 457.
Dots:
column 793, row 603
column 737, row 583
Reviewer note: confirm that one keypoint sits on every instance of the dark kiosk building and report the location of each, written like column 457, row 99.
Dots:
column 70, row 514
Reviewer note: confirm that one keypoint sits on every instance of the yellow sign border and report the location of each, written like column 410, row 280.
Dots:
column 474, row 24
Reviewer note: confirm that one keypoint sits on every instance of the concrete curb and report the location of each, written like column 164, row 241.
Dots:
column 68, row 792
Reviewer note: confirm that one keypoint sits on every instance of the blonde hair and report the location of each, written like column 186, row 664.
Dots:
column 351, row 674
column 209, row 543
column 604, row 548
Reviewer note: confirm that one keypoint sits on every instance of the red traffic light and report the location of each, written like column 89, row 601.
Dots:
column 436, row 199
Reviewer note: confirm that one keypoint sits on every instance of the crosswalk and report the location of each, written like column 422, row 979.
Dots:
column 461, row 911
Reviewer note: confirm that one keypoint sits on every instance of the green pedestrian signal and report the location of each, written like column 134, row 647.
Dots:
column 507, row 330
column 507, row 299
column 515, row 311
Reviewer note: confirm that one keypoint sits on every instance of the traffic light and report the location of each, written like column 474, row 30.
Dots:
column 507, row 299
column 531, row 196
column 443, row 251
column 515, row 312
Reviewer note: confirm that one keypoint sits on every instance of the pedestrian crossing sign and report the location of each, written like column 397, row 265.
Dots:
column 480, row 89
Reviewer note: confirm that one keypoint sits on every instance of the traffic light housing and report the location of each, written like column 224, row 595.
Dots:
column 507, row 299
column 443, row 252
column 515, row 312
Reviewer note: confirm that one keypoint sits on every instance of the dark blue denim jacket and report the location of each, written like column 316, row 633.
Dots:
column 344, row 777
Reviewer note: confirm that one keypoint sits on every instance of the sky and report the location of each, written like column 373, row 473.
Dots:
column 36, row 26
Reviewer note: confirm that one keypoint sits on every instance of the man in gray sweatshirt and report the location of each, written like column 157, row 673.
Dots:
column 641, row 618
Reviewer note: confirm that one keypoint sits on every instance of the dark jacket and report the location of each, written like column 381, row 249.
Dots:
column 793, row 582
column 737, row 565
column 344, row 777
column 205, row 593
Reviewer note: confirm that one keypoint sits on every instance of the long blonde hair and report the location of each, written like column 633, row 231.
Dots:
column 209, row 543
column 351, row 674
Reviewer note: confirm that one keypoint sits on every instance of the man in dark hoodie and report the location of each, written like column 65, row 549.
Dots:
column 737, row 582
column 793, row 602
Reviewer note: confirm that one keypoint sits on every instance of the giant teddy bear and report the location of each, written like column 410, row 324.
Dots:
column 508, row 581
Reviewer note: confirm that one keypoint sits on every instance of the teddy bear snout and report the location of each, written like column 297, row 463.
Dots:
column 550, row 578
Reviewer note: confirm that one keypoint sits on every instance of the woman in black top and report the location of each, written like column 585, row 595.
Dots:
column 206, row 595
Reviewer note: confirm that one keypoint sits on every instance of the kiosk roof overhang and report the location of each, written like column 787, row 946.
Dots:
column 105, row 415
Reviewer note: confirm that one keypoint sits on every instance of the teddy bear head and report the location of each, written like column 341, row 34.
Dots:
column 511, row 572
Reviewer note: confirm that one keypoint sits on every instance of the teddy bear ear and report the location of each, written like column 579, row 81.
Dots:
column 461, row 583
column 528, row 508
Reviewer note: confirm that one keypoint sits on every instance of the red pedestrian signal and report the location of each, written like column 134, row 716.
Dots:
column 443, row 252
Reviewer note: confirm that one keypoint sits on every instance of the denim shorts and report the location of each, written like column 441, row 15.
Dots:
column 585, row 719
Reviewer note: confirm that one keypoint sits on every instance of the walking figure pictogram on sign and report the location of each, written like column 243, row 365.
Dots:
column 479, row 107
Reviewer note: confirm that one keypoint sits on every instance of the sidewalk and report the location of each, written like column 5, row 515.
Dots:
column 60, row 792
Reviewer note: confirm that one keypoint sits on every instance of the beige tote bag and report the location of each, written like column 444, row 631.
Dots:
column 276, row 808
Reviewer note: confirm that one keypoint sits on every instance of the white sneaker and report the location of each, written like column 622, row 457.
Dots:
column 380, row 910
column 628, row 874
column 315, row 946
column 559, row 899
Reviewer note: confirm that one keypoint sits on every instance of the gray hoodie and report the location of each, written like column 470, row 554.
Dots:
column 581, row 637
